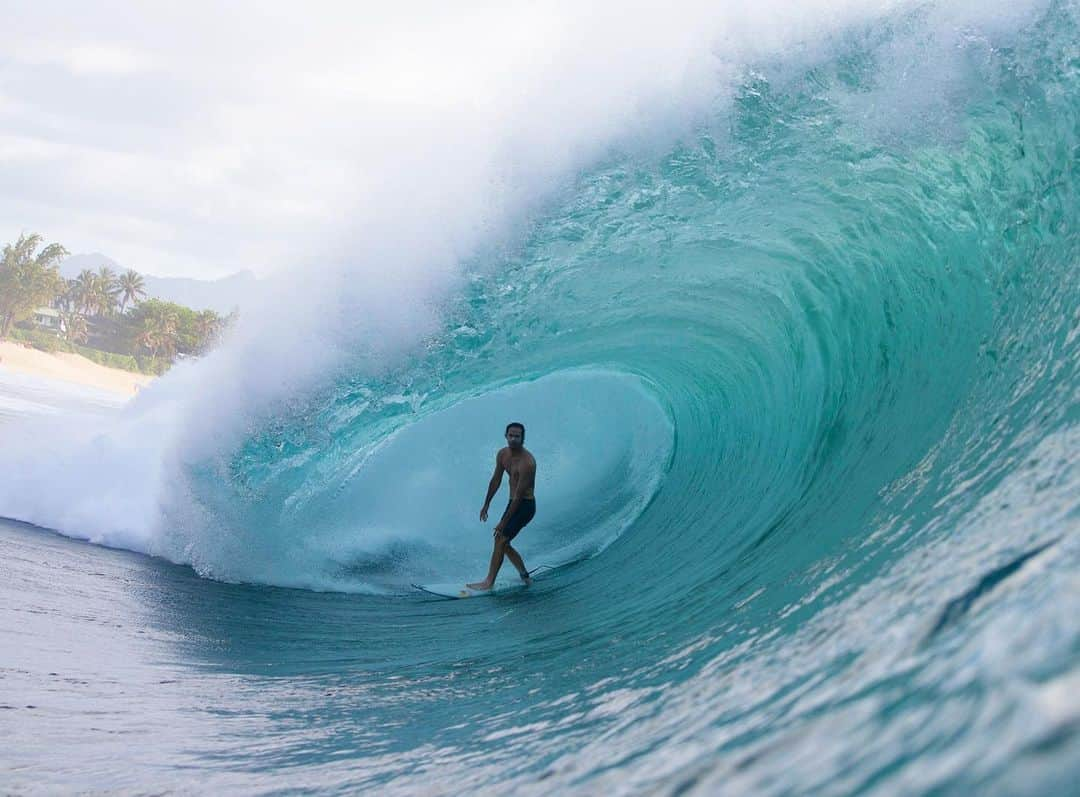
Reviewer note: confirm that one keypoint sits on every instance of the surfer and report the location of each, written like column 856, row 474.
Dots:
column 521, row 465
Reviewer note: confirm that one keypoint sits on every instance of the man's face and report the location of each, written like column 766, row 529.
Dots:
column 514, row 437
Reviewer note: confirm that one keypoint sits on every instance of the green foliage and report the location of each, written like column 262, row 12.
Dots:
column 48, row 342
column 131, row 288
column 144, row 339
column 94, row 294
column 157, row 326
column 107, row 358
column 139, row 365
column 150, row 365
column 41, row 340
column 169, row 328
column 76, row 327
column 28, row 279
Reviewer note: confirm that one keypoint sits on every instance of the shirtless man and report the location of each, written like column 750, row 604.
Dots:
column 522, row 468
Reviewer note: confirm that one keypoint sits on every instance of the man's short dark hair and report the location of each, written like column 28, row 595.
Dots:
column 512, row 424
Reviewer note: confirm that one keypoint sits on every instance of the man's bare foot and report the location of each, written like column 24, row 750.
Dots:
column 525, row 579
column 480, row 585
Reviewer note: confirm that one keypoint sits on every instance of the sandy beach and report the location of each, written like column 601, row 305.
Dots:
column 70, row 368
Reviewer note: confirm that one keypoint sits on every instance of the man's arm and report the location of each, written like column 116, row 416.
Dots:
column 526, row 480
column 493, row 486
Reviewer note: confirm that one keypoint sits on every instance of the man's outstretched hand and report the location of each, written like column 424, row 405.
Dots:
column 483, row 515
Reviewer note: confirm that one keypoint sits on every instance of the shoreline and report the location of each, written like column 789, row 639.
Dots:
column 69, row 367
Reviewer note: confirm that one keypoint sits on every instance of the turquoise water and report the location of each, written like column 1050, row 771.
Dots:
column 803, row 392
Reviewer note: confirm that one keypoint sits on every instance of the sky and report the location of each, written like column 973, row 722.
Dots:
column 202, row 138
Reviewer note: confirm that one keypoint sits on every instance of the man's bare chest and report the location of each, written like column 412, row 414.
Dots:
column 515, row 467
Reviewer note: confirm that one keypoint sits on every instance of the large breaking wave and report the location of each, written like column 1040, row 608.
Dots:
column 798, row 361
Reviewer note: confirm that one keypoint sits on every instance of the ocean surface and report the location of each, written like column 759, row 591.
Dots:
column 802, row 380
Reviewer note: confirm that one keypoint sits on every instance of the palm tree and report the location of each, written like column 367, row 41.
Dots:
column 107, row 290
column 68, row 298
column 77, row 328
column 159, row 331
column 85, row 290
column 28, row 278
column 207, row 327
column 131, row 288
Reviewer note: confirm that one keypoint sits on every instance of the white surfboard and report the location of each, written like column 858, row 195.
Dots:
column 458, row 590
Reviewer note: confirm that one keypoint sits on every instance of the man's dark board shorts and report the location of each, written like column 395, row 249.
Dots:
column 520, row 519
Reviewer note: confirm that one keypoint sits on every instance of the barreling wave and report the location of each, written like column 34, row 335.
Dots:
column 756, row 336
column 760, row 329
column 801, row 381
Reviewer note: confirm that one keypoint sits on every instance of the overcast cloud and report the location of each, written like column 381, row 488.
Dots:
column 200, row 138
column 192, row 140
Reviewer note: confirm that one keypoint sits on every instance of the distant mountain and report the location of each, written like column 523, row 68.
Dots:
column 220, row 295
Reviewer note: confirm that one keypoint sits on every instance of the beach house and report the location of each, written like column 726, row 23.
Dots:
column 50, row 319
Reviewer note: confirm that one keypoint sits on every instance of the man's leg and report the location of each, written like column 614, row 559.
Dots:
column 496, row 562
column 516, row 561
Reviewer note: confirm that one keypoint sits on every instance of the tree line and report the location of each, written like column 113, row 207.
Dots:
column 103, row 310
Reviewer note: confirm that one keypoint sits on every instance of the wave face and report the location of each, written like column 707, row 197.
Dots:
column 803, row 392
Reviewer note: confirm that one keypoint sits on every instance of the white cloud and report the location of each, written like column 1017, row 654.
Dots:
column 255, row 134
column 82, row 59
column 256, row 123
